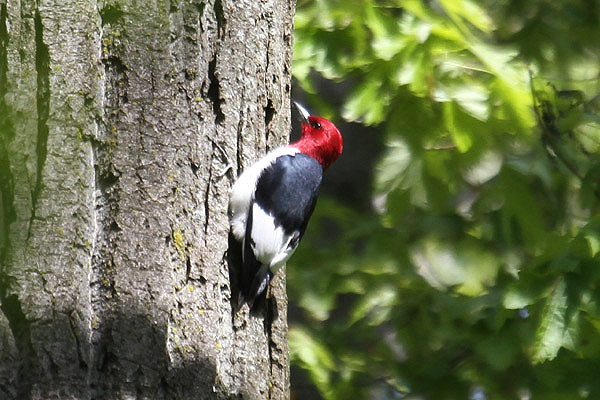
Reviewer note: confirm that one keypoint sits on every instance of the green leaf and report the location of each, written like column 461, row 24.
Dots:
column 319, row 306
column 521, row 295
column 588, row 134
column 498, row 351
column 555, row 329
column 466, row 267
column 313, row 356
column 457, row 126
column 367, row 103
column 391, row 168
column 468, row 11
column 522, row 205
column 473, row 220
column 376, row 305
column 487, row 167
column 591, row 235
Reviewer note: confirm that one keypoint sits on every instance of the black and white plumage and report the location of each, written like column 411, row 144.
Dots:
column 272, row 201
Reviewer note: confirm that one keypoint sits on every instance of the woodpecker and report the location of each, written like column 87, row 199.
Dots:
column 272, row 201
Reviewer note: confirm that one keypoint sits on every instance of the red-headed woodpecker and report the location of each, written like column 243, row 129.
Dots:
column 272, row 201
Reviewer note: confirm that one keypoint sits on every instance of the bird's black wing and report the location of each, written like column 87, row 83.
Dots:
column 287, row 192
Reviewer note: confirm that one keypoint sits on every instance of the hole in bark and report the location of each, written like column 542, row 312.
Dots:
column 214, row 91
column 116, row 63
column 194, row 167
column 111, row 13
column 114, row 227
column 87, row 100
column 107, row 179
column 269, row 112
column 116, row 74
column 188, row 268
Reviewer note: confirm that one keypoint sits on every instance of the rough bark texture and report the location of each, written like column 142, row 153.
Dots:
column 123, row 124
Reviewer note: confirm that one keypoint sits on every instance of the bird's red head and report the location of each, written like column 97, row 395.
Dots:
column 320, row 139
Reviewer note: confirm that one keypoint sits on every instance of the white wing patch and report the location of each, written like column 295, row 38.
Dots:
column 242, row 192
column 270, row 244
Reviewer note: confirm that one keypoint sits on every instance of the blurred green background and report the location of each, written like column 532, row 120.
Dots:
column 453, row 253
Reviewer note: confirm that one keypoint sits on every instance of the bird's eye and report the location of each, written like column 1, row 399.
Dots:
column 315, row 124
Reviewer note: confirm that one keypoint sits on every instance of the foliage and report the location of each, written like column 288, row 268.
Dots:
column 477, row 272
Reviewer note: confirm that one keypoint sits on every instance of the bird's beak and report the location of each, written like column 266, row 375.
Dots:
column 303, row 112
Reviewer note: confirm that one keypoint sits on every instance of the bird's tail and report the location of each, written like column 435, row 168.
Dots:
column 255, row 287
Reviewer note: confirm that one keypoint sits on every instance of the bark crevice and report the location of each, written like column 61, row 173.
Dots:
column 74, row 322
column 7, row 215
column 207, row 196
column 20, row 327
column 214, row 91
column 10, row 306
column 220, row 17
column 42, row 61
column 106, row 233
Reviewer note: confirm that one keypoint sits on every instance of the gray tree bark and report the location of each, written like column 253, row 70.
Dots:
column 123, row 124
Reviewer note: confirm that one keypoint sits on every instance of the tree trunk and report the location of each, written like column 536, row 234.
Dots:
column 123, row 124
